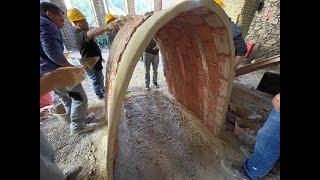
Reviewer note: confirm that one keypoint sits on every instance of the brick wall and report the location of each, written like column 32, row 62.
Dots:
column 265, row 30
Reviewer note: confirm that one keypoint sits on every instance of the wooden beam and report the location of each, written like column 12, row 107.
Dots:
column 272, row 61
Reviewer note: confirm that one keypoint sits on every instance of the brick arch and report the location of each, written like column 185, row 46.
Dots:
column 196, row 43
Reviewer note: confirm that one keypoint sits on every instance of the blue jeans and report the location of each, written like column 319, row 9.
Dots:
column 267, row 148
column 48, row 168
column 76, row 104
column 98, row 82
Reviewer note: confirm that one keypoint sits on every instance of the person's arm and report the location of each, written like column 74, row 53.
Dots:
column 92, row 33
column 51, row 47
column 237, row 60
column 61, row 77
column 276, row 102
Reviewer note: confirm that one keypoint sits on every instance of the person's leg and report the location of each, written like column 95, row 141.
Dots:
column 64, row 98
column 48, row 168
column 79, row 107
column 155, row 63
column 147, row 63
column 96, row 81
column 267, row 148
column 100, row 79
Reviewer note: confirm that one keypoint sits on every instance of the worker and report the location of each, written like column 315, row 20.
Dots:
column 240, row 46
column 151, row 56
column 51, row 58
column 114, row 27
column 266, row 151
column 88, row 47
column 57, row 79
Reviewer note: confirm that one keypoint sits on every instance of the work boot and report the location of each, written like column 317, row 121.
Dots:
column 73, row 173
column 156, row 84
column 85, row 128
column 235, row 169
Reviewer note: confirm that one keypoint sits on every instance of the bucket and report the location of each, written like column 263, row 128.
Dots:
column 46, row 100
column 60, row 112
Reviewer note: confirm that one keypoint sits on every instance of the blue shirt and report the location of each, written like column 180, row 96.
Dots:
column 235, row 30
column 51, row 46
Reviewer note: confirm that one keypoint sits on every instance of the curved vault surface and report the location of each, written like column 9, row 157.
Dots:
column 195, row 40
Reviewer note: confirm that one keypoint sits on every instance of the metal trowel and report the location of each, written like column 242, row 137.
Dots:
column 89, row 62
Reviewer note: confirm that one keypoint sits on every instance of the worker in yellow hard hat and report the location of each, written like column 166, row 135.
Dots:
column 220, row 3
column 114, row 26
column 108, row 18
column 89, row 48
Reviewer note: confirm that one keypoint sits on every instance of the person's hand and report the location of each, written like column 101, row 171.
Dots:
column 67, row 76
column 155, row 48
column 276, row 102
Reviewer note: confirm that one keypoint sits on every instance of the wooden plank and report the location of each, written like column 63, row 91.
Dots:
column 272, row 61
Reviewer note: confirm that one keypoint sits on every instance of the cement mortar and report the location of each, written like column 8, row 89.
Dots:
column 157, row 140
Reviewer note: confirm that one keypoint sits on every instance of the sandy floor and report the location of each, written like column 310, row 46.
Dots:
column 157, row 140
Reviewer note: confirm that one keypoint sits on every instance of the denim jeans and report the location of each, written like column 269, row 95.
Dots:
column 76, row 104
column 267, row 148
column 48, row 168
column 148, row 60
column 98, row 82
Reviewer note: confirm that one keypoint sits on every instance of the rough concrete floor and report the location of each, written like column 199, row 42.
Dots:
column 157, row 140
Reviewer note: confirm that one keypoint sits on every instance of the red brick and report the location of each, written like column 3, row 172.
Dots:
column 221, row 42
column 194, row 19
column 203, row 32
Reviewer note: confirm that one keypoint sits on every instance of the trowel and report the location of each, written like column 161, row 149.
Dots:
column 89, row 62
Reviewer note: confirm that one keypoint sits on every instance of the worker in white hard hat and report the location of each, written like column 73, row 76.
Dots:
column 73, row 98
column 89, row 49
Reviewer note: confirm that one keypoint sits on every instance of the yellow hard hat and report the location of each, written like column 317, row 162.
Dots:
column 75, row 15
column 109, row 17
column 220, row 3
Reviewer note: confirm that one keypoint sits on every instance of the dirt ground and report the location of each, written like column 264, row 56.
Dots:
column 159, row 139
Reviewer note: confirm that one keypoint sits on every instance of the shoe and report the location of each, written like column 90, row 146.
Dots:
column 86, row 128
column 235, row 169
column 90, row 117
column 156, row 85
column 147, row 88
column 73, row 173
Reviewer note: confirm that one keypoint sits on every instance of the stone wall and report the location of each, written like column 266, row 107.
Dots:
column 264, row 31
column 241, row 12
